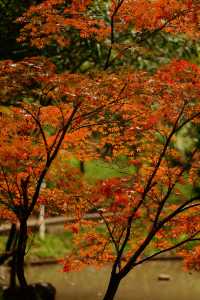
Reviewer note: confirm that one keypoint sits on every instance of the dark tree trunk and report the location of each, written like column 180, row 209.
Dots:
column 10, row 246
column 12, row 263
column 20, row 253
column 11, row 238
column 82, row 166
column 112, row 287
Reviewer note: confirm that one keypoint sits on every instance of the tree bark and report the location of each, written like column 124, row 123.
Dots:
column 20, row 253
column 11, row 238
column 112, row 287
column 10, row 246
column 12, row 263
column 82, row 166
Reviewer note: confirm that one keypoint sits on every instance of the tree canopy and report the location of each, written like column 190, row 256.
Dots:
column 107, row 82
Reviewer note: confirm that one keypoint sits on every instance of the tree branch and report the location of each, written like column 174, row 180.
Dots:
column 51, row 158
column 190, row 239
column 145, row 35
column 112, row 33
column 37, row 121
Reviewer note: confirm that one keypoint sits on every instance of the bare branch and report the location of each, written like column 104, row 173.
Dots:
column 185, row 206
column 51, row 158
column 110, row 232
column 37, row 121
column 166, row 197
column 190, row 239
column 7, row 184
column 112, row 33
column 5, row 256
column 98, row 109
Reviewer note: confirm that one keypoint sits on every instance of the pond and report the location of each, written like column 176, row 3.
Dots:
column 141, row 284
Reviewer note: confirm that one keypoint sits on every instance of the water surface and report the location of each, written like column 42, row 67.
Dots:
column 141, row 284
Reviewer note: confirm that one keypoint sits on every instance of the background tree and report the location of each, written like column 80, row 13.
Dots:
column 9, row 29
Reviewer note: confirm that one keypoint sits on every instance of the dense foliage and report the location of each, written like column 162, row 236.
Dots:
column 111, row 83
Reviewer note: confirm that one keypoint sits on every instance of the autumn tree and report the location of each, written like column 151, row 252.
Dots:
column 32, row 136
column 151, row 212
column 136, row 113
column 77, row 37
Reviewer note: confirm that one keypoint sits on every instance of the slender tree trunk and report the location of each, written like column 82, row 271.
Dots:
column 82, row 166
column 11, row 238
column 12, row 263
column 112, row 287
column 10, row 246
column 20, row 253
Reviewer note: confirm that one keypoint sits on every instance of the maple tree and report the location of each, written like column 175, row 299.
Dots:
column 32, row 136
column 115, row 107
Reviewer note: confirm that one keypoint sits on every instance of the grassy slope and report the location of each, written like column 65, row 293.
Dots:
column 99, row 169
